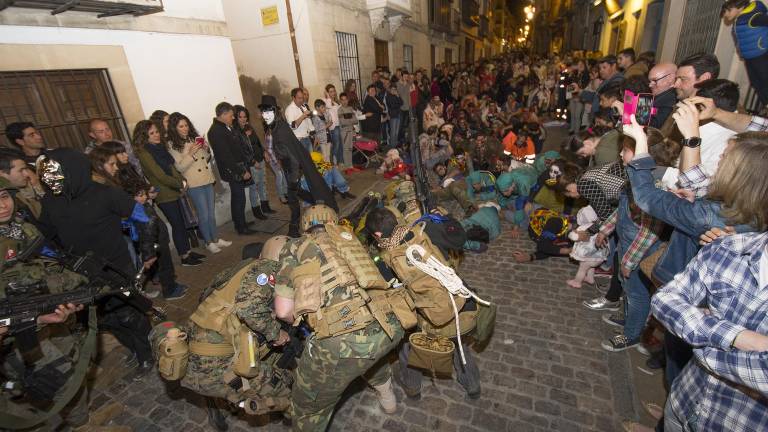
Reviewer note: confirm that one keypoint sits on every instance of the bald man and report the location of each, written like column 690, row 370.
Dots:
column 662, row 82
column 100, row 132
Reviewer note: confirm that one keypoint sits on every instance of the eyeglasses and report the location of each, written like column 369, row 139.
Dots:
column 655, row 81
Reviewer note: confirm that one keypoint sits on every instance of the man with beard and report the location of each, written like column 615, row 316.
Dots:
column 295, row 161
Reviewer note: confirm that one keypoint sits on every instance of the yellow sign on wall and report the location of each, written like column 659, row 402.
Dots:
column 269, row 16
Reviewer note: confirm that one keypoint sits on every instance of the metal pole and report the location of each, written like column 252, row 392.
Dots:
column 295, row 47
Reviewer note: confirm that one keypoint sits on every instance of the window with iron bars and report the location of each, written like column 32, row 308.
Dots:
column 60, row 104
column 349, row 62
column 408, row 57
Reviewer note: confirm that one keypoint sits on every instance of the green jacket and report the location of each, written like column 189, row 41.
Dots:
column 607, row 150
column 168, row 186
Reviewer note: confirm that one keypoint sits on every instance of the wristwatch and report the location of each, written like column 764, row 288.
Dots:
column 691, row 142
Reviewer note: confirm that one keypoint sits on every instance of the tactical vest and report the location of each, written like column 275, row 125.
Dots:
column 430, row 298
column 332, row 290
column 216, row 313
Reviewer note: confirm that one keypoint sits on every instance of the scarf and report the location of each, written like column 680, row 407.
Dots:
column 161, row 156
column 394, row 240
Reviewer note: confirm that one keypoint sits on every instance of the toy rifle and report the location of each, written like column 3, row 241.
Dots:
column 420, row 175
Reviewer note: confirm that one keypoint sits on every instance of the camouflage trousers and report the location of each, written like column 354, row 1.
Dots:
column 329, row 365
column 456, row 191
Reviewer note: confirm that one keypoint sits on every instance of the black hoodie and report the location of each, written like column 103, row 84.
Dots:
column 86, row 215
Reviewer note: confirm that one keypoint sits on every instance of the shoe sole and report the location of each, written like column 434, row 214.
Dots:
column 175, row 298
column 607, row 320
column 611, row 348
column 602, row 308
column 190, row 265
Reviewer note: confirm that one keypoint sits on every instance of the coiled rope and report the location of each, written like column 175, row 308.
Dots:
column 448, row 279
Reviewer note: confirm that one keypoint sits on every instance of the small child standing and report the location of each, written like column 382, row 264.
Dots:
column 347, row 121
column 321, row 124
column 586, row 252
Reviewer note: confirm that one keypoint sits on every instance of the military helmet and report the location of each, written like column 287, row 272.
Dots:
column 273, row 246
column 318, row 214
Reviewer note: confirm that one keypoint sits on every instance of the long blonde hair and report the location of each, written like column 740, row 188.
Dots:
column 740, row 182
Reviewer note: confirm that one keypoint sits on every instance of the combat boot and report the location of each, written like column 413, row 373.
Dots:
column 215, row 418
column 293, row 231
column 386, row 396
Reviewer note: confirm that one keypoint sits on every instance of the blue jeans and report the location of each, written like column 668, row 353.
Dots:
column 394, row 131
column 333, row 178
column 307, row 143
column 202, row 198
column 337, row 149
column 280, row 183
column 257, row 192
column 636, row 286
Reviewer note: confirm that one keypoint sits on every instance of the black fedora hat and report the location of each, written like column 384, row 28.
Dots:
column 267, row 101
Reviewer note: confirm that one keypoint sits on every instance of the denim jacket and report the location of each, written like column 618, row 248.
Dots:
column 689, row 219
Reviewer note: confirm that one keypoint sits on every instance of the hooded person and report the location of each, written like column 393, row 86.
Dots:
column 295, row 161
column 544, row 160
column 83, row 216
column 514, row 194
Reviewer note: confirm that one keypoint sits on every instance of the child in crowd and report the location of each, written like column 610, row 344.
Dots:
column 393, row 165
column 331, row 175
column 585, row 252
column 347, row 122
column 321, row 124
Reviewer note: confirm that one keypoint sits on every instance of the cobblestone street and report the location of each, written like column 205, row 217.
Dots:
column 543, row 370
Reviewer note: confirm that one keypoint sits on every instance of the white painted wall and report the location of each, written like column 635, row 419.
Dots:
column 197, row 9
column 172, row 72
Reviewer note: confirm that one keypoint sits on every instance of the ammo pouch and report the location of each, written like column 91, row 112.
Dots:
column 341, row 318
column 431, row 352
column 173, row 354
column 403, row 307
column 248, row 353
column 308, row 287
column 359, row 262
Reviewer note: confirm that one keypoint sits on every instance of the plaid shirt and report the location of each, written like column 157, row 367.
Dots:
column 758, row 124
column 694, row 179
column 723, row 389
column 650, row 229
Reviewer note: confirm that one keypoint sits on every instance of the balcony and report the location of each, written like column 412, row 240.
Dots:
column 103, row 8
column 470, row 13
column 387, row 16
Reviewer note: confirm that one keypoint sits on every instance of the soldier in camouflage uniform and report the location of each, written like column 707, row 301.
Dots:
column 36, row 375
column 338, row 351
column 215, row 344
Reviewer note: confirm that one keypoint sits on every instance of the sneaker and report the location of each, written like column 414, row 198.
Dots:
column 386, row 397
column 223, row 243
column 196, row 255
column 151, row 293
column 213, row 248
column 189, row 261
column 620, row 343
column 616, row 319
column 599, row 271
column 176, row 292
column 601, row 303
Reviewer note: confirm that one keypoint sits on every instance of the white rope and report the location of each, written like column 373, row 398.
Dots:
column 448, row 279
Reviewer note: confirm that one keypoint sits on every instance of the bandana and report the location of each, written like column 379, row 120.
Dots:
column 395, row 239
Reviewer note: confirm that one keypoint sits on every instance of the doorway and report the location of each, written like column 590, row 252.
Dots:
column 382, row 54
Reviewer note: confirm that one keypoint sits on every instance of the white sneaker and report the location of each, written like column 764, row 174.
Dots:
column 386, row 396
column 212, row 248
column 223, row 243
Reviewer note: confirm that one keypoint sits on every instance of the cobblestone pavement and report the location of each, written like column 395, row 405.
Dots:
column 543, row 369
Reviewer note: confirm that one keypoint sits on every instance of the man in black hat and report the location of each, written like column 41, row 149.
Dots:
column 295, row 161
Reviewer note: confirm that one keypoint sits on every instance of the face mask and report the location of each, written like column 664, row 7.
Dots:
column 268, row 116
column 51, row 174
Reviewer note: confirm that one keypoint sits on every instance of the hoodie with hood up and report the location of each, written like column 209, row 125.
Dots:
column 87, row 215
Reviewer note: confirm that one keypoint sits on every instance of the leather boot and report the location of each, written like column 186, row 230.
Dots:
column 257, row 213
column 266, row 208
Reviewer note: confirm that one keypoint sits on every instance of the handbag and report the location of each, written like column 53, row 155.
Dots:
column 188, row 211
column 648, row 263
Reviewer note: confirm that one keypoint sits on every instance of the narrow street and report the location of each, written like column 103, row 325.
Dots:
column 544, row 369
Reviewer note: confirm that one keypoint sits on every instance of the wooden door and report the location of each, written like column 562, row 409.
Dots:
column 382, row 54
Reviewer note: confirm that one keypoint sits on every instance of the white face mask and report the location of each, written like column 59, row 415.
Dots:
column 268, row 116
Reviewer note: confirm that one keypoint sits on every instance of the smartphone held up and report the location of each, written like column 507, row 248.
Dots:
column 641, row 105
